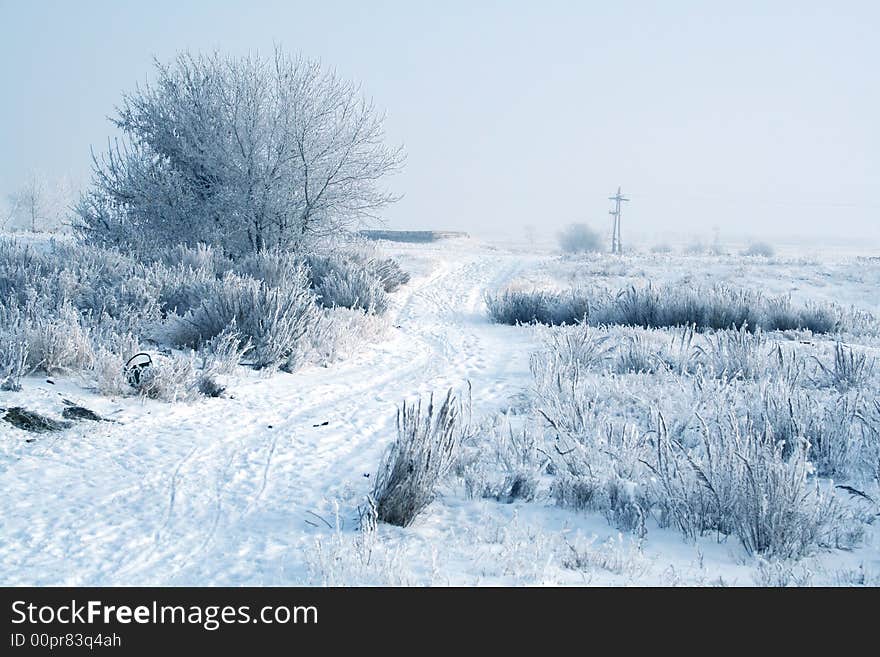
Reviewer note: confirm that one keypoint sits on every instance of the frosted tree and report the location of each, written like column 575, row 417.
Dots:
column 29, row 206
column 39, row 205
column 248, row 154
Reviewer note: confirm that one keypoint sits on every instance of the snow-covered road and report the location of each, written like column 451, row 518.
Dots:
column 223, row 491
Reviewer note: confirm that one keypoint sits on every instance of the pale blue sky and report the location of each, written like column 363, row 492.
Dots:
column 758, row 117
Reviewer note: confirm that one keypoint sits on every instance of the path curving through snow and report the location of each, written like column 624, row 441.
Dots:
column 229, row 491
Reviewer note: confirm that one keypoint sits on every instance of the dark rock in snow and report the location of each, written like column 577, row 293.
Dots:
column 33, row 421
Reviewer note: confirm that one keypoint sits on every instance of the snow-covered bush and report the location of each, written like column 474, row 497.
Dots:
column 58, row 343
column 275, row 268
column 13, row 361
column 108, row 375
column 571, row 351
column 535, row 306
column 736, row 451
column 716, row 307
column 79, row 308
column 762, row 249
column 352, row 287
column 341, row 332
column 223, row 353
column 389, row 272
column 199, row 257
column 742, row 483
column 501, row 462
column 274, row 320
column 636, row 354
column 341, row 280
column 428, row 438
column 174, row 378
column 579, row 238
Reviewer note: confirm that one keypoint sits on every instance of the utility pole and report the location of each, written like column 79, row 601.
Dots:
column 615, row 225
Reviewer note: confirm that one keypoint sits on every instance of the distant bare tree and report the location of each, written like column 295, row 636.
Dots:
column 248, row 154
column 29, row 204
column 38, row 204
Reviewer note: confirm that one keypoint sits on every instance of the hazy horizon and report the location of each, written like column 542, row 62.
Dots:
column 758, row 120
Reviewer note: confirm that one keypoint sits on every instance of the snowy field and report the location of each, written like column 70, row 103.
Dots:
column 262, row 486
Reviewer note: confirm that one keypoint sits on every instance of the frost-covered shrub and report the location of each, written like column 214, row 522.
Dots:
column 274, row 320
column 209, row 386
column 275, row 268
column 342, row 280
column 579, row 238
column 870, row 457
column 528, row 307
column 840, row 440
column 737, row 455
column 170, row 378
column 779, row 315
column 179, row 289
column 352, row 287
column 13, row 361
column 57, row 342
column 199, row 257
column 519, row 307
column 716, row 307
column 341, row 332
column 223, row 353
column 572, row 350
column 428, row 438
column 822, row 319
column 600, row 470
column 762, row 249
column 502, row 463
column 389, row 272
column 76, row 308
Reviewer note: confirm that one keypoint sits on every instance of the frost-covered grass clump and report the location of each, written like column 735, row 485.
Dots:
column 715, row 307
column 722, row 434
column 73, row 309
column 428, row 439
column 728, row 434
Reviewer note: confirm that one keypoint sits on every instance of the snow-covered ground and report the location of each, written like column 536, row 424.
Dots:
column 250, row 489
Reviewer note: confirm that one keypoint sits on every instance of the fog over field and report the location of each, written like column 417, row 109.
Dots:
column 475, row 294
column 759, row 120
